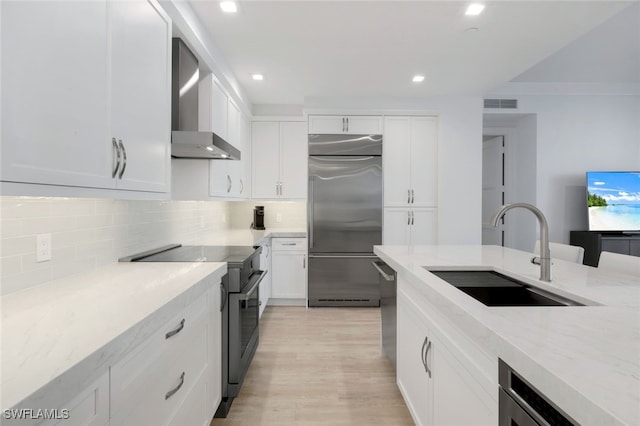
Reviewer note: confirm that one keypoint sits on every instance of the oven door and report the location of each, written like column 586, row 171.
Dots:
column 244, row 309
column 511, row 414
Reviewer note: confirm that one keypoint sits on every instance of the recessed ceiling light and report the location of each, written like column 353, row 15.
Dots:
column 474, row 9
column 418, row 78
column 229, row 6
column 258, row 77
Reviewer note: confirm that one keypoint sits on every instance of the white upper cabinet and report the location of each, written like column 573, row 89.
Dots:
column 351, row 124
column 279, row 158
column 78, row 78
column 410, row 161
column 141, row 93
column 218, row 113
column 54, row 94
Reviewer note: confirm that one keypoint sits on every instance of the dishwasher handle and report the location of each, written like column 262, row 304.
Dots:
column 379, row 265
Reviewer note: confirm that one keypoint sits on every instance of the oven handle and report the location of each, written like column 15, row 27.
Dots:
column 254, row 287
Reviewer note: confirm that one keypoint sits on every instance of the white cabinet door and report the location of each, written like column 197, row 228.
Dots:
column 397, row 161
column 396, row 227
column 289, row 275
column 265, row 147
column 234, row 168
column 265, row 284
column 141, row 93
column 413, row 380
column 293, row 160
column 55, row 127
column 245, row 135
column 364, row 125
column 214, row 382
column 352, row 124
column 424, row 226
column 424, row 161
column 454, row 387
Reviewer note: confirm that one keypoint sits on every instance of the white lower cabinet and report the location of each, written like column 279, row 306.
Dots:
column 406, row 226
column 173, row 377
column 265, row 284
column 289, row 266
column 434, row 376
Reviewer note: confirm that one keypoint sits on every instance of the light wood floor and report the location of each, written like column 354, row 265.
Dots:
column 319, row 366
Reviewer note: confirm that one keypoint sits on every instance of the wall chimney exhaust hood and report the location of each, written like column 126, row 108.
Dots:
column 186, row 140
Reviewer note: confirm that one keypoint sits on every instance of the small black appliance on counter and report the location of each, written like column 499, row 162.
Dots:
column 258, row 218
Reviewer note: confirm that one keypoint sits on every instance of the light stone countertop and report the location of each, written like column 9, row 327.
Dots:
column 586, row 358
column 59, row 337
column 251, row 236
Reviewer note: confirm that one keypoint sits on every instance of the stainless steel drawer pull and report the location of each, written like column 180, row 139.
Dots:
column 117, row 148
column 176, row 389
column 124, row 159
column 426, row 359
column 408, row 196
column 423, row 353
column 412, row 196
column 378, row 265
column 176, row 331
column 289, row 244
column 228, row 183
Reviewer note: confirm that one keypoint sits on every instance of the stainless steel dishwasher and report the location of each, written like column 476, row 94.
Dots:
column 388, row 288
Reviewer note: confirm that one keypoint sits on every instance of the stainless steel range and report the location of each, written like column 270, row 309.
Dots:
column 240, row 305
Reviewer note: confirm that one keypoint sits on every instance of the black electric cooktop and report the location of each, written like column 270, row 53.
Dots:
column 233, row 255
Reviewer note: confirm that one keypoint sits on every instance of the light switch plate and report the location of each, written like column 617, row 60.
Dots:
column 43, row 247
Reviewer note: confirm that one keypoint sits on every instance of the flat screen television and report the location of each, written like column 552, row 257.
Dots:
column 613, row 200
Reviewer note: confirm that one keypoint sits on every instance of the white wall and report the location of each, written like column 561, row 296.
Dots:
column 574, row 134
column 89, row 233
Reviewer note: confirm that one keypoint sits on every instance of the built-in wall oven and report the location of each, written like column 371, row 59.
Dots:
column 240, row 305
column 521, row 404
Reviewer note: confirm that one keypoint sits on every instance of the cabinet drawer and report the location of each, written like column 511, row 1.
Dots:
column 289, row 244
column 140, row 381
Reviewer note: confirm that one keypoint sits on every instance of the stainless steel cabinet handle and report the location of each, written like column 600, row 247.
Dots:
column 241, row 186
column 412, row 217
column 229, row 184
column 343, row 124
column 408, row 218
column 223, row 297
column 304, row 262
column 408, row 196
column 423, row 353
column 289, row 244
column 412, row 196
column 176, row 389
column 426, row 359
column 347, row 124
column 176, row 331
column 311, row 211
column 124, row 159
column 117, row 148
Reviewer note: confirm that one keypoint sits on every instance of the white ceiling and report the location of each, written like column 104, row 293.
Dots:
column 363, row 48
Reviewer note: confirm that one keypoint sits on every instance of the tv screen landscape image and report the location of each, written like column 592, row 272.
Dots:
column 613, row 199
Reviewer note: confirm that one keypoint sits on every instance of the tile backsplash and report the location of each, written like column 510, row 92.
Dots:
column 88, row 233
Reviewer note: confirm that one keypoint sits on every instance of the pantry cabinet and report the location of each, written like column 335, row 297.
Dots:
column 86, row 94
column 349, row 124
column 405, row 226
column 435, row 378
column 279, row 160
column 410, row 161
column 289, row 266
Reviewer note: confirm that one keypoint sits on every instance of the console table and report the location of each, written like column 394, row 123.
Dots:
column 595, row 242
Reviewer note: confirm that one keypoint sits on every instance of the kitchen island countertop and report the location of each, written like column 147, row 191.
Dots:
column 584, row 358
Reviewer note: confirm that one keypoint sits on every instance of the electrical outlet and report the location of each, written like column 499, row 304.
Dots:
column 43, row 247
column 278, row 217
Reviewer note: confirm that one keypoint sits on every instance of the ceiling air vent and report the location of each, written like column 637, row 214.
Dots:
column 501, row 103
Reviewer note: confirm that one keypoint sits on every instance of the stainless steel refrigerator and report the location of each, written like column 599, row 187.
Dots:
column 345, row 219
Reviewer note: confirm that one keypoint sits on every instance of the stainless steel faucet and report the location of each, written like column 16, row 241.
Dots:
column 545, row 253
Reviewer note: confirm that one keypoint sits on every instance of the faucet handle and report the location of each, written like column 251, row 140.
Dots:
column 535, row 260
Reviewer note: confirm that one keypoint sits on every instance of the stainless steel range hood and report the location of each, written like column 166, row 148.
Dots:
column 186, row 140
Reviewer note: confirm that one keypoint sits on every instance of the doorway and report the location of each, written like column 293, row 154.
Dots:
column 493, row 188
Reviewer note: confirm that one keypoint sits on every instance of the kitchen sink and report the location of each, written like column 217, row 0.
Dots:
column 494, row 289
